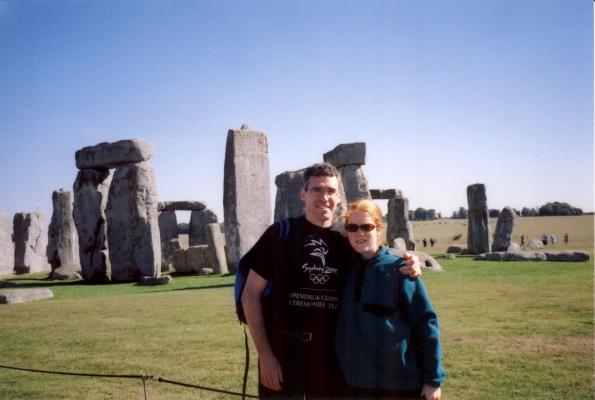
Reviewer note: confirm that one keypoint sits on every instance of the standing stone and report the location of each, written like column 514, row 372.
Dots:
column 168, row 230
column 478, row 237
column 6, row 246
column 30, row 242
column 198, row 223
column 132, row 223
column 63, row 246
column 246, row 191
column 504, row 230
column 216, row 249
column 398, row 225
column 90, row 199
column 114, row 154
column 287, row 200
column 348, row 159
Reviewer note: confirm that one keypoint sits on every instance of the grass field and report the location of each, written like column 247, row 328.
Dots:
column 519, row 330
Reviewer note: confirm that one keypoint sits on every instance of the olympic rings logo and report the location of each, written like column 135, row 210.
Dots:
column 319, row 279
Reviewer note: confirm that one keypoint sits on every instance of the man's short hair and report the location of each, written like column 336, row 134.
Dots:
column 320, row 169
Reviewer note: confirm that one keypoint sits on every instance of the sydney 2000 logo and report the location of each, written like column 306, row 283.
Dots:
column 315, row 265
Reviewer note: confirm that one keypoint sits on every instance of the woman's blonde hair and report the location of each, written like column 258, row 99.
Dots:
column 367, row 206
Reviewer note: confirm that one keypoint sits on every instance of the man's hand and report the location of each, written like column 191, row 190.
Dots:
column 271, row 375
column 431, row 393
column 412, row 265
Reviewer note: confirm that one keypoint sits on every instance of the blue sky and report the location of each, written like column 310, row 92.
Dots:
column 444, row 93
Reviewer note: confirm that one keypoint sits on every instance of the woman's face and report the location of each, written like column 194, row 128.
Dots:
column 365, row 243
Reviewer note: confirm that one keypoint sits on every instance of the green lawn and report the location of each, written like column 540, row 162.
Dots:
column 519, row 330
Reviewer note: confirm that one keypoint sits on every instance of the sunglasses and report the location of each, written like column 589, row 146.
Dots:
column 364, row 227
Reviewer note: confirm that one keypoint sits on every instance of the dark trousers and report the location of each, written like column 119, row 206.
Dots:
column 310, row 371
column 360, row 393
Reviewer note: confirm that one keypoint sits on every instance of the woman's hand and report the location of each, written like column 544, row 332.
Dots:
column 431, row 393
column 412, row 265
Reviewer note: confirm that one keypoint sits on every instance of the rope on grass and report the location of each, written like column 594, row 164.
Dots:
column 144, row 378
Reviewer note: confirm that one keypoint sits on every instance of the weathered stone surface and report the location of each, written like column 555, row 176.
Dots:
column 246, row 192
column 399, row 244
column 398, row 225
column 181, row 206
column 191, row 260
column 517, row 256
column 168, row 230
column 198, row 224
column 114, row 154
column 132, row 223
column 14, row 296
column 535, row 244
column 347, row 154
column 63, row 246
column 513, row 248
column 287, row 200
column 355, row 183
column 30, row 242
column 426, row 260
column 504, row 229
column 478, row 236
column 90, row 199
column 6, row 246
column 154, row 280
column 216, row 249
column 66, row 271
column 567, row 256
column 454, row 249
column 449, row 256
column 385, row 194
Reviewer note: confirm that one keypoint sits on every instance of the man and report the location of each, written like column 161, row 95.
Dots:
column 293, row 327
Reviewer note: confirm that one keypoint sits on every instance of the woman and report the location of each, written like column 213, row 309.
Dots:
column 387, row 335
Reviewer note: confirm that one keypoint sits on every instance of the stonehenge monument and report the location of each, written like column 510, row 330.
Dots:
column 478, row 236
column 122, row 210
column 246, row 197
column 30, row 242
column 63, row 246
column 216, row 249
column 348, row 159
column 397, row 222
column 198, row 225
column 504, row 229
column 287, row 199
column 6, row 246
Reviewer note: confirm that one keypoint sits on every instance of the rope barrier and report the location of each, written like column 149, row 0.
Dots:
column 144, row 378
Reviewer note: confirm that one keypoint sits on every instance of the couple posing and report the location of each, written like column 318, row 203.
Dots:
column 337, row 318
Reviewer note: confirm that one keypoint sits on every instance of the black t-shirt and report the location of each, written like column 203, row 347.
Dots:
column 315, row 263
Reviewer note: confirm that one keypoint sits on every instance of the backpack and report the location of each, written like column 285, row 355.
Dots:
column 245, row 265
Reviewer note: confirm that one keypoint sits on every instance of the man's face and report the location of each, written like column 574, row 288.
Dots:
column 321, row 199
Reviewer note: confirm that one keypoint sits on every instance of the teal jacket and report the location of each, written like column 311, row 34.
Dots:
column 387, row 332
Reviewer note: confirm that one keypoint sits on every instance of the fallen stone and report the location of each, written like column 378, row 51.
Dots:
column 513, row 248
column 347, row 154
column 114, row 154
column 535, row 244
column 181, row 206
column 454, row 249
column 517, row 256
column 426, row 260
column 449, row 256
column 154, row 280
column 67, row 271
column 14, row 296
column 567, row 256
column 385, row 194
column 191, row 260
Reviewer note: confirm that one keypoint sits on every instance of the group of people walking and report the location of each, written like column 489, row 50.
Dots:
column 332, row 312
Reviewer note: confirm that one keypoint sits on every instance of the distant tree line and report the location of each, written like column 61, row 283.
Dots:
column 421, row 214
column 555, row 208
